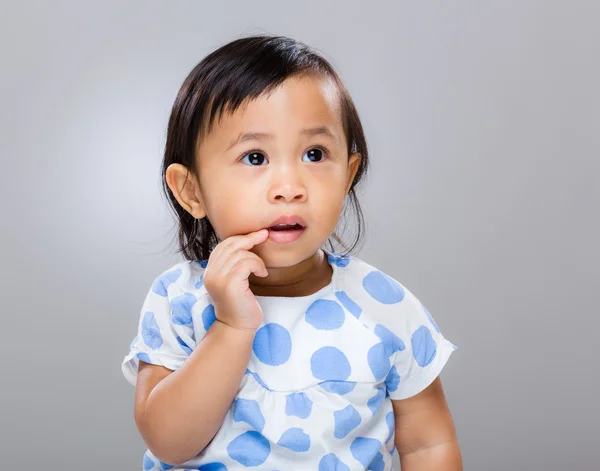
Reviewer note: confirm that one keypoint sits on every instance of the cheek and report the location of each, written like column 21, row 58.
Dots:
column 328, row 196
column 331, row 183
column 230, row 207
column 224, row 190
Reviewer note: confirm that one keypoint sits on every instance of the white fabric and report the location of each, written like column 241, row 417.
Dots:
column 317, row 392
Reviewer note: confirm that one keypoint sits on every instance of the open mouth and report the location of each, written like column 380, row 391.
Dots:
column 285, row 233
column 286, row 227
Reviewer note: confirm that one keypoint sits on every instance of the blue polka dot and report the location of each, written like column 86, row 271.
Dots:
column 375, row 402
column 202, row 263
column 329, row 363
column 272, row 344
column 249, row 449
column 345, row 421
column 148, row 462
column 181, row 313
column 377, row 464
column 325, row 314
column 200, row 281
column 165, row 466
column 247, row 410
column 184, row 346
column 338, row 387
column 423, row 346
column 258, row 379
column 365, row 449
column 391, row 341
column 339, row 260
column 382, row 288
column 378, row 361
column 331, row 462
column 151, row 331
column 393, row 380
column 391, row 424
column 350, row 305
column 298, row 404
column 208, row 316
column 161, row 283
column 212, row 467
column 144, row 357
column 392, row 450
column 295, row 439
column 435, row 326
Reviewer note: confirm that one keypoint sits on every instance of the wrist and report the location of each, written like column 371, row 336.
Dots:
column 236, row 329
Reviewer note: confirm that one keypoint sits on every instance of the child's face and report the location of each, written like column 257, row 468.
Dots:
column 248, row 186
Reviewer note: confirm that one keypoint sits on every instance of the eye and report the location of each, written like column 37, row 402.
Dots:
column 255, row 159
column 315, row 155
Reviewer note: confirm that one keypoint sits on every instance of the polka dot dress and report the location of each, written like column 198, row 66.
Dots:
column 318, row 389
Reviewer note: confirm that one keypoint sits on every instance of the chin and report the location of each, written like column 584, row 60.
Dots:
column 284, row 256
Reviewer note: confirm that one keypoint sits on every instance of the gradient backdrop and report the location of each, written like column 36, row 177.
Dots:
column 483, row 120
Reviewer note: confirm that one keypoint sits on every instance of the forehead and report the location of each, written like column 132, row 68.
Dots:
column 298, row 103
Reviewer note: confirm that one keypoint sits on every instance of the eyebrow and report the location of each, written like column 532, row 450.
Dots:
column 249, row 136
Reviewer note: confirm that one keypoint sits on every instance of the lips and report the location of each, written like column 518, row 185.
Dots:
column 287, row 223
column 286, row 229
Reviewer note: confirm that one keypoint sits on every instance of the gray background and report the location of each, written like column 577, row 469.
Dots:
column 483, row 120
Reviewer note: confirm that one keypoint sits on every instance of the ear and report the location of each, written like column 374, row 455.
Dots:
column 353, row 164
column 186, row 189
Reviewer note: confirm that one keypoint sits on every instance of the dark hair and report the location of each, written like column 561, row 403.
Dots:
column 239, row 71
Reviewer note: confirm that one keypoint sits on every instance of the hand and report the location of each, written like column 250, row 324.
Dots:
column 226, row 280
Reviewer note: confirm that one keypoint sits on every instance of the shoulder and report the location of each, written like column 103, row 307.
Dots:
column 183, row 277
column 382, row 298
column 178, row 293
column 361, row 277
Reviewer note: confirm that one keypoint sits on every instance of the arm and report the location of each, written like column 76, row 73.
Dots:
column 425, row 435
column 178, row 413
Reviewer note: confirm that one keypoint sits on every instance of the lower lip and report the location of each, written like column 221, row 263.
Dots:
column 285, row 237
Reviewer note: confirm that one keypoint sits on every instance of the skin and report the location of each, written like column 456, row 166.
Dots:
column 240, row 200
column 287, row 184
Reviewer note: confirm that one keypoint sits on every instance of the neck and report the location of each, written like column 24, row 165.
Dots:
column 302, row 279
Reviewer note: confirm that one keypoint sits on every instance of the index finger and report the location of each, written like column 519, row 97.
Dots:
column 243, row 241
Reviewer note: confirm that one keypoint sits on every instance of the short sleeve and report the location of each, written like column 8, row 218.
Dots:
column 423, row 351
column 165, row 332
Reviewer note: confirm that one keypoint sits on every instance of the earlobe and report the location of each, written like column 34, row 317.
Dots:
column 184, row 187
column 353, row 164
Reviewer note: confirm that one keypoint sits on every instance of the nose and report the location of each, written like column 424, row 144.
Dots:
column 287, row 188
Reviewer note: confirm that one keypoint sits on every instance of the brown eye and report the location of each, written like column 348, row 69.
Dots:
column 255, row 159
column 314, row 155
